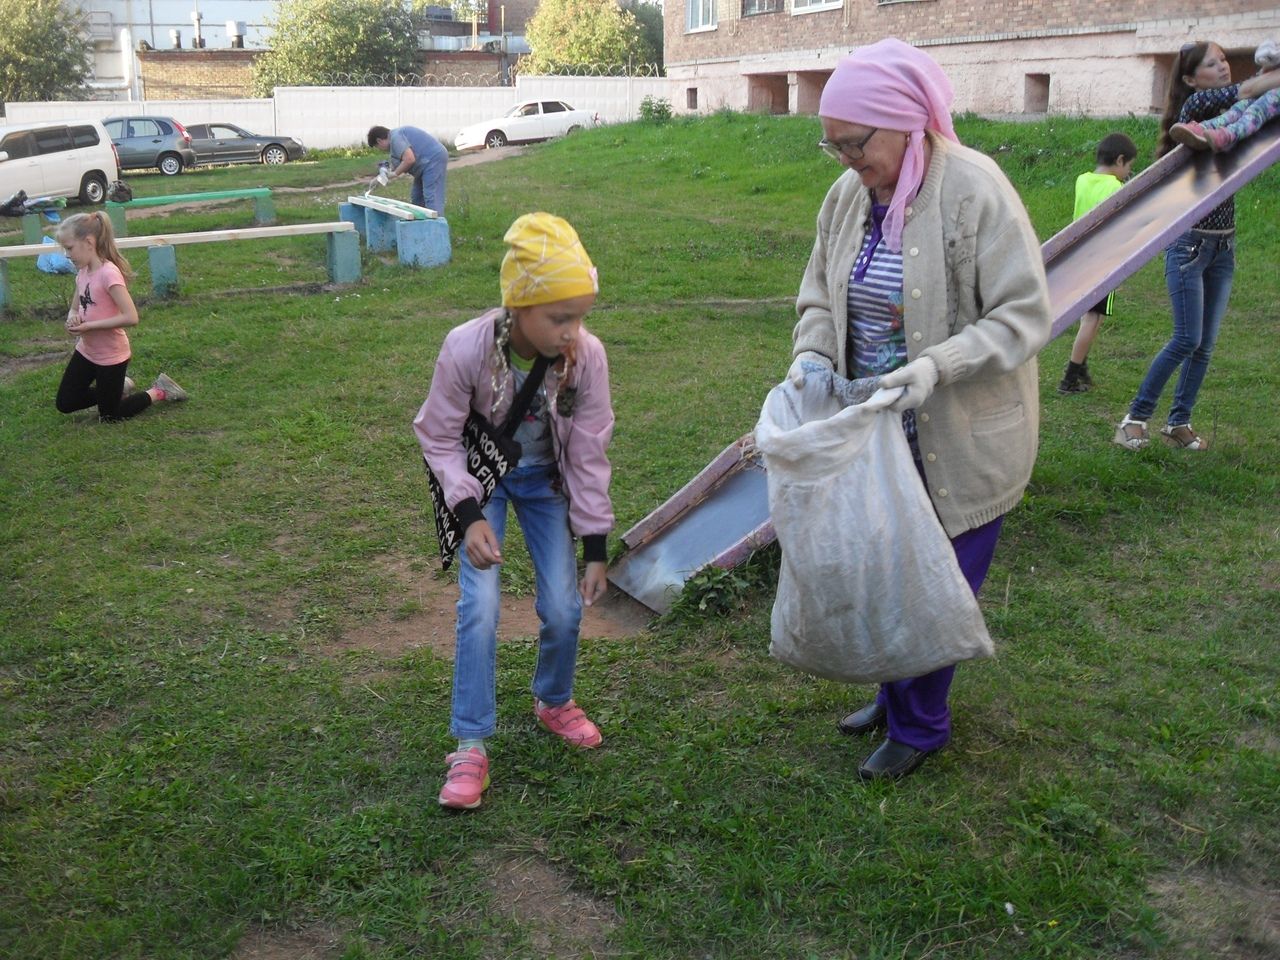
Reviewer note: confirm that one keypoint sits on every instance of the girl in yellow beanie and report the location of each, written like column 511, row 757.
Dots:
column 559, row 486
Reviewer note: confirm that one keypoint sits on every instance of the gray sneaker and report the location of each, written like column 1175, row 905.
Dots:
column 171, row 390
column 129, row 387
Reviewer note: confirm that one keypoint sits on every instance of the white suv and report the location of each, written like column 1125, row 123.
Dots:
column 57, row 158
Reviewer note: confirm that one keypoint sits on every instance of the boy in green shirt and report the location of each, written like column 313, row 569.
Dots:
column 1114, row 158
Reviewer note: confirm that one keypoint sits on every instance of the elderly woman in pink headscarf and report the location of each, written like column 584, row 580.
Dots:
column 927, row 273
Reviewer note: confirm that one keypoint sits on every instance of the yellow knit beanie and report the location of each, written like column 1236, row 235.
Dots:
column 545, row 262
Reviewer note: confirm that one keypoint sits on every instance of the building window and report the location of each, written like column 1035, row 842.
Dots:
column 810, row 6
column 700, row 15
column 691, row 98
column 751, row 7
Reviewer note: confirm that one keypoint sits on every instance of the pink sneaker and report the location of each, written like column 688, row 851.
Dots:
column 568, row 722
column 467, row 778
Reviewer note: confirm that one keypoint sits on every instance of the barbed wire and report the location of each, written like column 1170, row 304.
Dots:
column 479, row 78
column 593, row 70
column 448, row 78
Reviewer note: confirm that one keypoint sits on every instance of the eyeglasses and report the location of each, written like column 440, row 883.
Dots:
column 849, row 151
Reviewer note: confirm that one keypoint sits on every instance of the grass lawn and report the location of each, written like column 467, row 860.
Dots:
column 222, row 716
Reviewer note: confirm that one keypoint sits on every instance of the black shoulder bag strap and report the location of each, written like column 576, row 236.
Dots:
column 525, row 397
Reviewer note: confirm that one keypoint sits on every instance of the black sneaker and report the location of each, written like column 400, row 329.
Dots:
column 1072, row 385
column 1085, row 378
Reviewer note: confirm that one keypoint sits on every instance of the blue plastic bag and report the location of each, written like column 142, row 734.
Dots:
column 56, row 262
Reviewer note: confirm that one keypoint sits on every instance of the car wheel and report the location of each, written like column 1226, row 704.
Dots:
column 170, row 164
column 274, row 154
column 93, row 188
column 494, row 139
column 574, row 129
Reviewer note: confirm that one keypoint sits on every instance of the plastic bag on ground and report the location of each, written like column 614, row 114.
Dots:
column 55, row 261
column 869, row 589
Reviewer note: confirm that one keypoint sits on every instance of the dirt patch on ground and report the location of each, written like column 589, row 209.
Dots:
column 430, row 621
column 13, row 365
column 559, row 921
column 1225, row 916
column 315, row 942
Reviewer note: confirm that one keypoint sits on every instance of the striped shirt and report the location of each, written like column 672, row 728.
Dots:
column 877, row 337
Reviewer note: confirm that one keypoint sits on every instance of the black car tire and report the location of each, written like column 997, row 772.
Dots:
column 574, row 129
column 170, row 164
column 275, row 154
column 494, row 139
column 93, row 188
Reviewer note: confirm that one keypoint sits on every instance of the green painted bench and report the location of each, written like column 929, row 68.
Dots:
column 342, row 252
column 264, row 209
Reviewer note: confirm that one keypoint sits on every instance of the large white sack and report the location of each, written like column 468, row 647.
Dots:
column 869, row 589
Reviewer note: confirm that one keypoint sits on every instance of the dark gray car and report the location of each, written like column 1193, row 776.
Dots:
column 143, row 142
column 227, row 143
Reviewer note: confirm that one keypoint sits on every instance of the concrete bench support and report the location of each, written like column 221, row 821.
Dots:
column 343, row 257
column 32, row 231
column 423, row 243
column 379, row 231
column 352, row 213
column 164, row 270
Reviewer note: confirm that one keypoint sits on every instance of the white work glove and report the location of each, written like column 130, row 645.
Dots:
column 805, row 363
column 919, row 377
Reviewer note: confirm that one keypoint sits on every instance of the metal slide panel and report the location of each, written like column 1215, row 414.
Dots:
column 718, row 518
column 1115, row 239
column 722, row 515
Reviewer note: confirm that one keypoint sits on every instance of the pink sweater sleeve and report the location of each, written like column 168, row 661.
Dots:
column 438, row 424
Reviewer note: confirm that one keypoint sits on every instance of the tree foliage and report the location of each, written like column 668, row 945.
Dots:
column 43, row 53
column 572, row 33
column 649, row 16
column 320, row 41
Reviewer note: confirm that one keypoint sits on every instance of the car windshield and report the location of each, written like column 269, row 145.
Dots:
column 522, row 110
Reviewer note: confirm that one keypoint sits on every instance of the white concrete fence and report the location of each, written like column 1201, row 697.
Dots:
column 323, row 117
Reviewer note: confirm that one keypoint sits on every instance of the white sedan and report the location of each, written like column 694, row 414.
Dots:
column 525, row 123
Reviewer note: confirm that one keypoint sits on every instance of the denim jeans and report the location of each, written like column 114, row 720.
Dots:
column 1198, row 268
column 543, row 514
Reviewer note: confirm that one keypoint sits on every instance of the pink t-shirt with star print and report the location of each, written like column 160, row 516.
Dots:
column 93, row 302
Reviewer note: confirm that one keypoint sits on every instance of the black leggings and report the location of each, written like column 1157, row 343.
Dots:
column 86, row 384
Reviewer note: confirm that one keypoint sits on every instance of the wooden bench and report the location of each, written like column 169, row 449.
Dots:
column 419, row 235
column 264, row 210
column 342, row 252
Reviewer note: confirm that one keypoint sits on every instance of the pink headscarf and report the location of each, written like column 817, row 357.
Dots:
column 893, row 86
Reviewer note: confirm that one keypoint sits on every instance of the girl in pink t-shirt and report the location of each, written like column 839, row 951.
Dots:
column 100, row 311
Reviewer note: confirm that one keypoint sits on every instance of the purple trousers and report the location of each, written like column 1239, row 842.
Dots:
column 916, row 708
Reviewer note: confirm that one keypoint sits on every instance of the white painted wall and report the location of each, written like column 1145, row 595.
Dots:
column 324, row 117
column 151, row 20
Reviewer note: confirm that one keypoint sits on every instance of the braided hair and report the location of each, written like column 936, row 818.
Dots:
column 566, row 394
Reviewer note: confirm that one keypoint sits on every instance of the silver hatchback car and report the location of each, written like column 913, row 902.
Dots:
column 160, row 142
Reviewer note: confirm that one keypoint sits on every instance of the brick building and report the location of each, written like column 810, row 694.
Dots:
column 1092, row 57
column 196, row 74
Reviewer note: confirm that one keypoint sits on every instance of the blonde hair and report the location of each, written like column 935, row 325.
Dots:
column 96, row 225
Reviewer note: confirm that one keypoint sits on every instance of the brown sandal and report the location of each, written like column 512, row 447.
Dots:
column 1184, row 437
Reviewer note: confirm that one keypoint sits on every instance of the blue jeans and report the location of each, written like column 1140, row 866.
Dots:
column 428, row 186
column 543, row 514
column 1198, row 268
